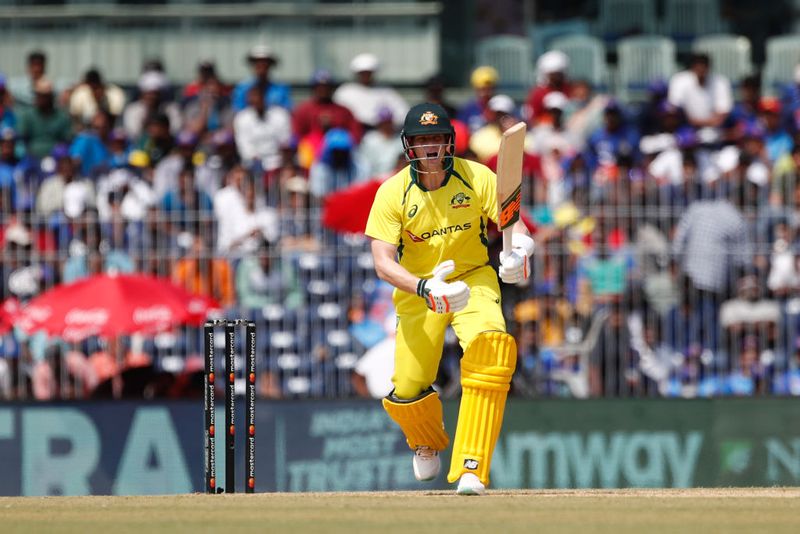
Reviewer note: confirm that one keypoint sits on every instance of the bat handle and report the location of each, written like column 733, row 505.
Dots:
column 507, row 239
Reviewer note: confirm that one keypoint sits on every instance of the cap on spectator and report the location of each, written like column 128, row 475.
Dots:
column 152, row 80
column 296, row 184
column 43, row 86
column 222, row 138
column 555, row 100
column 484, row 76
column 502, row 104
column 385, row 115
column 322, row 77
column 769, row 105
column 613, row 107
column 60, row 151
column 365, row 62
column 18, row 234
column 552, row 61
column 118, row 135
column 658, row 87
column 186, row 138
column 262, row 51
column 138, row 158
column 753, row 130
column 8, row 134
column 338, row 139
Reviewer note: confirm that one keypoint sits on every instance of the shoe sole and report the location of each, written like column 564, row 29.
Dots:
column 468, row 492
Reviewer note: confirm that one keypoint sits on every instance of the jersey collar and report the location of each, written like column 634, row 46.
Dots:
column 415, row 176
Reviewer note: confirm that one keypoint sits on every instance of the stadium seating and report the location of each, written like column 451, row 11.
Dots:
column 730, row 55
column 686, row 19
column 587, row 58
column 642, row 60
column 619, row 18
column 783, row 56
column 510, row 55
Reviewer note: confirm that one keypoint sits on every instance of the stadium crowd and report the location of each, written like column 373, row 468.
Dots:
column 666, row 260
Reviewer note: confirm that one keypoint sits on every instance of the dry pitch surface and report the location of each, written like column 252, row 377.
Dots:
column 541, row 511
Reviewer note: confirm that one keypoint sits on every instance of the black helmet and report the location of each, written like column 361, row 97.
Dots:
column 426, row 119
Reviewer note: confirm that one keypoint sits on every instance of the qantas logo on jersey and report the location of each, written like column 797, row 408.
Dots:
column 439, row 231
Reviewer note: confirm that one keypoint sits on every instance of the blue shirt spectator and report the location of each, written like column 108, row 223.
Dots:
column 261, row 60
column 614, row 141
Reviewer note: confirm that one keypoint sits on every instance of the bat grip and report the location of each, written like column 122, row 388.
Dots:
column 507, row 239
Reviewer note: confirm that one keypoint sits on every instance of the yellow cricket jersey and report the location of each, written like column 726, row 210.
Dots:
column 430, row 227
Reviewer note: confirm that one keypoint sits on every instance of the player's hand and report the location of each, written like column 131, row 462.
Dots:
column 515, row 265
column 440, row 296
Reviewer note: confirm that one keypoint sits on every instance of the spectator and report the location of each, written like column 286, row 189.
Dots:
column 648, row 114
column 206, row 71
column 52, row 192
column 614, row 141
column 92, row 148
column 364, row 98
column 380, row 147
column 476, row 113
column 338, row 166
column 241, row 215
column 777, row 141
column 209, row 109
column 550, row 136
column 24, row 88
column 485, row 142
column 199, row 272
column 583, row 111
column 152, row 102
column 314, row 117
column 221, row 157
column 744, row 114
column 705, row 97
column 260, row 131
column 45, row 124
column 749, row 315
column 790, row 98
column 186, row 206
column 156, row 142
column 11, row 171
column 372, row 375
column 551, row 69
column 261, row 59
column 7, row 117
column 262, row 280
column 168, row 168
column 93, row 95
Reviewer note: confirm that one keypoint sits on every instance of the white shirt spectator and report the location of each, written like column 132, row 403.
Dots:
column 260, row 138
column 366, row 102
column 377, row 367
column 700, row 102
column 83, row 105
column 235, row 223
column 379, row 153
column 135, row 114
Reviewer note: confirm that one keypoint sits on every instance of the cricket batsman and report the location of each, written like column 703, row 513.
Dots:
column 428, row 226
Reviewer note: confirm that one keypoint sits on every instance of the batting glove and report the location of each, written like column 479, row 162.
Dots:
column 514, row 265
column 441, row 296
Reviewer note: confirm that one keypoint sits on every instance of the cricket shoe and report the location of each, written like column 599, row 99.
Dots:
column 426, row 463
column 469, row 484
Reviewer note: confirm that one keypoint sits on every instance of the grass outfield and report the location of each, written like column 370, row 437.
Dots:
column 541, row 511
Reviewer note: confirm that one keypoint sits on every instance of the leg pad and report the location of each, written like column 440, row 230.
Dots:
column 486, row 369
column 420, row 419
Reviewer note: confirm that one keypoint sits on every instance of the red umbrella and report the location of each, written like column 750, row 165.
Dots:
column 110, row 305
column 347, row 210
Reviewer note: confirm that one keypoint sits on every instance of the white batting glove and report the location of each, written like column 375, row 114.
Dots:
column 441, row 296
column 514, row 265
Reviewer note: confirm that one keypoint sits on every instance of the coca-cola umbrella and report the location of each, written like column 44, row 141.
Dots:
column 9, row 309
column 347, row 210
column 110, row 305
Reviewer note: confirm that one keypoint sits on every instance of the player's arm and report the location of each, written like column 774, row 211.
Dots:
column 439, row 296
column 387, row 268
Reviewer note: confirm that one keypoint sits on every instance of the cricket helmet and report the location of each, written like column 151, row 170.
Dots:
column 428, row 119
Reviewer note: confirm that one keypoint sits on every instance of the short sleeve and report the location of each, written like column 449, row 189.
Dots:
column 384, row 222
column 487, row 184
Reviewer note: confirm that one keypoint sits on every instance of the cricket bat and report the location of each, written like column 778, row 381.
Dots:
column 509, row 181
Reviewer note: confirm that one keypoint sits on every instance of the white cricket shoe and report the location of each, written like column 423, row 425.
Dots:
column 469, row 484
column 426, row 463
